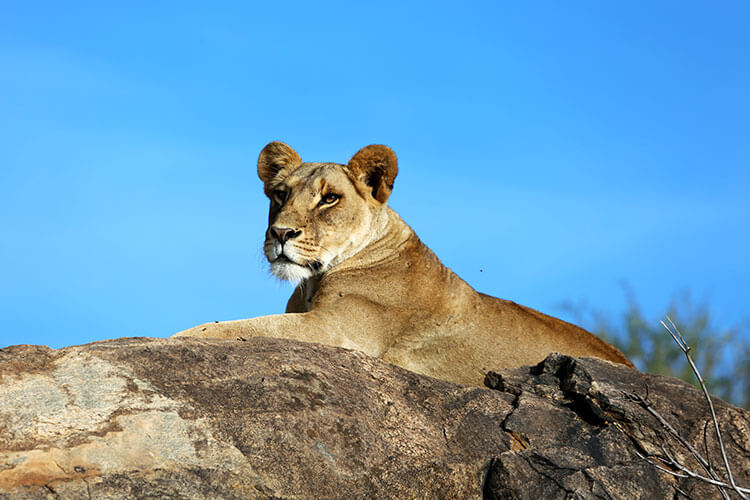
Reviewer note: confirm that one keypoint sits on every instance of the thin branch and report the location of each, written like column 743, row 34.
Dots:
column 682, row 493
column 686, row 473
column 677, row 337
column 661, row 467
column 704, row 463
column 692, row 474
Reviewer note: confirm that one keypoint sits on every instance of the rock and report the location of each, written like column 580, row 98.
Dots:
column 270, row 418
column 578, row 428
column 265, row 418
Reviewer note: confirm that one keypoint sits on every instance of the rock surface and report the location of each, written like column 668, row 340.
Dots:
column 271, row 419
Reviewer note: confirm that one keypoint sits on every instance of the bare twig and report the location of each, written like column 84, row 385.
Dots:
column 686, row 473
column 678, row 469
column 677, row 337
column 672, row 473
column 702, row 461
column 683, row 493
column 660, row 467
column 692, row 474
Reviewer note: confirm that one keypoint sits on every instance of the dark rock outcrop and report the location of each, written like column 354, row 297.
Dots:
column 266, row 418
column 578, row 429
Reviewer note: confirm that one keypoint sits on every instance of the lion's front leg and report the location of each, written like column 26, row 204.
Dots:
column 242, row 328
column 307, row 327
column 331, row 328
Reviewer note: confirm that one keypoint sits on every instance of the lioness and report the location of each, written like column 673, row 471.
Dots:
column 367, row 282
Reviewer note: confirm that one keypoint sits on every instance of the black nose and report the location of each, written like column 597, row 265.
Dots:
column 283, row 234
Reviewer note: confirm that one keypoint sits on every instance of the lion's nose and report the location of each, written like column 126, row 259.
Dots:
column 284, row 234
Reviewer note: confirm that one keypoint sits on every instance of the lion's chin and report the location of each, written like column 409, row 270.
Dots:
column 287, row 270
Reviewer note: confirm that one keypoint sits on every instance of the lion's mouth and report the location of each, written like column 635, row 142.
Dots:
column 285, row 268
column 283, row 259
column 314, row 265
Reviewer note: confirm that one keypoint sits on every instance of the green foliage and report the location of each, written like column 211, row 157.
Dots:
column 721, row 355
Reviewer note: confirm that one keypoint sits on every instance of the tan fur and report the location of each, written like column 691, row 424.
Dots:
column 369, row 283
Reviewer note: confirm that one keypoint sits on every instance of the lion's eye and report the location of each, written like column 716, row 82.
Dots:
column 279, row 195
column 330, row 198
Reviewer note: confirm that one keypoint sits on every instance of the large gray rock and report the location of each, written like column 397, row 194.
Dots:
column 265, row 418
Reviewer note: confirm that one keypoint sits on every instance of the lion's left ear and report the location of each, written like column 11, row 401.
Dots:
column 376, row 166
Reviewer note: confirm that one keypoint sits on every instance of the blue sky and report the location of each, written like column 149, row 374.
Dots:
column 548, row 151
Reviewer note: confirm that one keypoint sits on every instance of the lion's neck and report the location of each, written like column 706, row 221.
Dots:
column 391, row 241
column 388, row 234
column 393, row 250
column 397, row 261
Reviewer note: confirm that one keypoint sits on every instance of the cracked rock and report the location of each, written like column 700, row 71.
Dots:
column 271, row 418
column 582, row 429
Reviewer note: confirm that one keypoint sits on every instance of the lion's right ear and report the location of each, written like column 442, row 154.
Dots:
column 274, row 158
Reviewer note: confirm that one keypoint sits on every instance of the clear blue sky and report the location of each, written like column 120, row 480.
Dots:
column 548, row 150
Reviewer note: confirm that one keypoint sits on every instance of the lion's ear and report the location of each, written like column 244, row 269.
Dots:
column 376, row 166
column 275, row 157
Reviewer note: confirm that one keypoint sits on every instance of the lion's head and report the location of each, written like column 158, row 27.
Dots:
column 321, row 213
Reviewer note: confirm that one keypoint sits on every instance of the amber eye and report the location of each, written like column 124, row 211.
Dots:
column 279, row 195
column 330, row 198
